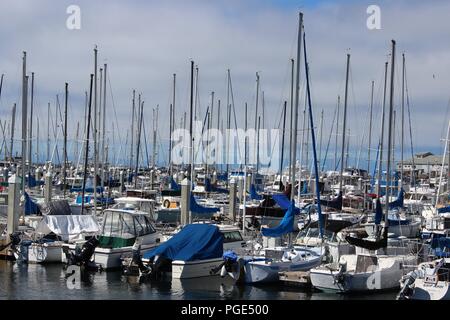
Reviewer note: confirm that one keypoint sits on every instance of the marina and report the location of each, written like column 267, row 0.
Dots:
column 221, row 198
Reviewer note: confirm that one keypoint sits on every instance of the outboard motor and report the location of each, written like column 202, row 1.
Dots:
column 231, row 265
column 83, row 255
column 136, row 267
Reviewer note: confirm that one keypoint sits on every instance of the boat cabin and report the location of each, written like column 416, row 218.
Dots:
column 120, row 228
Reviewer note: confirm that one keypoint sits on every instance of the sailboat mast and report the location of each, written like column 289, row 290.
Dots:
column 13, row 124
column 30, row 132
column 313, row 138
column 341, row 178
column 133, row 110
column 65, row 138
column 282, row 143
column 390, row 133
column 191, row 138
column 291, row 120
column 103, row 126
column 86, row 150
column 95, row 131
column 403, row 120
column 48, row 132
column 297, row 92
column 24, row 117
column 380, row 162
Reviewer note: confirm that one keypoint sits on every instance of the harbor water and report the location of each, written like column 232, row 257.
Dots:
column 19, row 281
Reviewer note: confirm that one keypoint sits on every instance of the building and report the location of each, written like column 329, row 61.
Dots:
column 425, row 163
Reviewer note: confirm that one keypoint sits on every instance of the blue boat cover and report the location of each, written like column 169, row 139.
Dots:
column 305, row 189
column 444, row 210
column 230, row 256
column 196, row 208
column 30, row 206
column 399, row 202
column 283, row 201
column 223, row 176
column 193, row 242
column 378, row 212
column 441, row 243
column 286, row 225
column 174, row 185
column 253, row 194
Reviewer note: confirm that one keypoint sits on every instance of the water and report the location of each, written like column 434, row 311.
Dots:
column 30, row 282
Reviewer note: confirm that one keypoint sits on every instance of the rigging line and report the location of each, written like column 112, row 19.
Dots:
column 410, row 128
column 234, row 113
column 329, row 139
column 114, row 106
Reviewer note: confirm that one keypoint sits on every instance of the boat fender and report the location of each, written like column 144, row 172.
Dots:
column 166, row 203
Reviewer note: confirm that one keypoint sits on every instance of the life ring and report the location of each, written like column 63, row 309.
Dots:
column 166, row 204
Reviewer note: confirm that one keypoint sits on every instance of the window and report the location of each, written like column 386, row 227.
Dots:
column 232, row 236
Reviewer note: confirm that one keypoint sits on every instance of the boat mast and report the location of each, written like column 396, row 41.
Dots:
column 24, row 117
column 403, row 118
column 191, row 138
column 291, row 123
column 133, row 108
column 313, row 138
column 104, row 162
column 86, row 150
column 390, row 134
column 297, row 92
column 282, row 143
column 48, row 132
column 65, row 138
column 380, row 162
column 95, row 131
column 13, row 124
column 30, row 132
column 341, row 178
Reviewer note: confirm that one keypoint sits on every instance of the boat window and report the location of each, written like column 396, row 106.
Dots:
column 366, row 263
column 127, row 226
column 146, row 207
column 232, row 236
column 149, row 225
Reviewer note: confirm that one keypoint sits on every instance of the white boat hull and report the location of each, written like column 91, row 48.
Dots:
column 194, row 269
column 411, row 230
column 431, row 291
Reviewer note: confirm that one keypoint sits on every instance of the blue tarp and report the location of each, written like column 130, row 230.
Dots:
column 30, row 206
column 196, row 208
column 399, row 202
column 174, row 185
column 378, row 212
column 253, row 194
column 444, row 210
column 441, row 243
column 193, row 242
column 283, row 201
column 223, row 176
column 286, row 225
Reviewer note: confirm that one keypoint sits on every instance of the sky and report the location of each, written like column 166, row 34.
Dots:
column 145, row 42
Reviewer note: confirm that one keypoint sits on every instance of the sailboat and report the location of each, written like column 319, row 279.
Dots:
column 375, row 266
